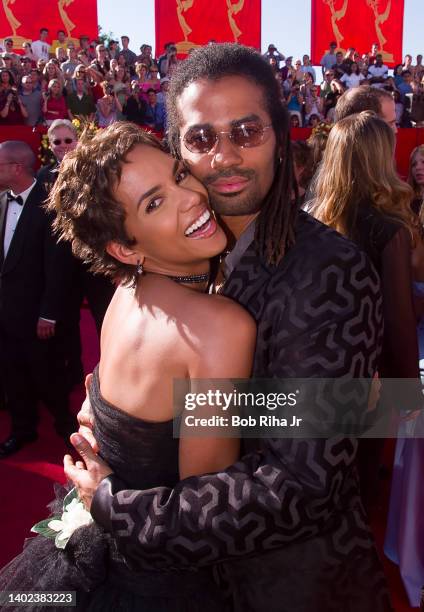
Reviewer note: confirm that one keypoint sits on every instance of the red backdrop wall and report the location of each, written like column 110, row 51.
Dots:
column 22, row 19
column 358, row 23
column 190, row 23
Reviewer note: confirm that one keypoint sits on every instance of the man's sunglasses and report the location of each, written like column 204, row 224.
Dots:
column 245, row 135
column 59, row 141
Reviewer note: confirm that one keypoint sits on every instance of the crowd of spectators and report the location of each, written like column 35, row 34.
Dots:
column 106, row 82
column 102, row 82
column 311, row 99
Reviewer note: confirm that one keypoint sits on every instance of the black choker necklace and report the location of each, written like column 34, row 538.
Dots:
column 190, row 278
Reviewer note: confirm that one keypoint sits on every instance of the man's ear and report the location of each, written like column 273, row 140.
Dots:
column 124, row 254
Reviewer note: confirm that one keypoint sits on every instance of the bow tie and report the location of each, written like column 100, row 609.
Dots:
column 12, row 198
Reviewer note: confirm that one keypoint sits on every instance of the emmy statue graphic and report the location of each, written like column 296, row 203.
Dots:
column 335, row 17
column 233, row 9
column 68, row 24
column 14, row 24
column 380, row 18
column 185, row 45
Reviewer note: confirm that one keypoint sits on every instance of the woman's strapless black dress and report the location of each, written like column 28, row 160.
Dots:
column 144, row 455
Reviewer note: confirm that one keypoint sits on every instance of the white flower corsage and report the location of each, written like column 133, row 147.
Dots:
column 60, row 528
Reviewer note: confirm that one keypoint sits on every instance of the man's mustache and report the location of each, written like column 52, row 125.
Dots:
column 211, row 178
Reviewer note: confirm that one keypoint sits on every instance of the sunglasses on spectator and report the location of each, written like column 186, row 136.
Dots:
column 245, row 135
column 59, row 141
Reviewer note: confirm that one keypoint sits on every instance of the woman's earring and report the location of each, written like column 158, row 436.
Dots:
column 139, row 268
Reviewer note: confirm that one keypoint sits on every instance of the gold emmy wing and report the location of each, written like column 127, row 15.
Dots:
column 335, row 17
column 234, row 9
column 380, row 18
column 185, row 45
column 14, row 24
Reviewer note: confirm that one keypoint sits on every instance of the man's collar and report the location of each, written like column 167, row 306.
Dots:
column 24, row 194
column 233, row 258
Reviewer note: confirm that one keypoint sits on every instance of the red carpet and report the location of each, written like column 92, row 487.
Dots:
column 27, row 478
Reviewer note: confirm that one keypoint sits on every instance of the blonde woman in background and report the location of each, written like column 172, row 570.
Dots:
column 416, row 178
column 359, row 194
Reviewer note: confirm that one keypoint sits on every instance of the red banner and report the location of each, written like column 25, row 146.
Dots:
column 192, row 23
column 358, row 24
column 21, row 20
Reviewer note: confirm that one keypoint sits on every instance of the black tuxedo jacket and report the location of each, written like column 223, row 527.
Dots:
column 287, row 521
column 34, row 278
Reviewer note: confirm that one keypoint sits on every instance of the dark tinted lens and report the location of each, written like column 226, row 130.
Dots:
column 247, row 134
column 57, row 142
column 200, row 140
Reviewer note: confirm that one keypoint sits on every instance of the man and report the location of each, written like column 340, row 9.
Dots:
column 113, row 49
column 71, row 63
column 34, row 283
column 9, row 64
column 378, row 72
column 329, row 59
column 80, row 102
column 405, row 87
column 101, row 64
column 364, row 98
column 163, row 59
column 59, row 43
column 26, row 66
column 288, row 68
column 273, row 52
column 356, row 100
column 154, row 114
column 98, row 290
column 41, row 48
column 31, row 99
column 338, row 67
column 373, row 53
column 163, row 93
column 307, row 67
column 296, row 500
column 325, row 87
column 9, row 50
column 130, row 56
column 145, row 56
column 418, row 69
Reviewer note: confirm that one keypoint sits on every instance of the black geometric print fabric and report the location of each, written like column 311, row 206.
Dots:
column 285, row 523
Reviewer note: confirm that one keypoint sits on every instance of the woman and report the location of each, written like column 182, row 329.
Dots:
column 359, row 193
column 154, row 81
column 13, row 112
column 143, row 80
column 308, row 91
column 138, row 216
column 397, row 74
column 54, row 104
column 416, row 177
column 405, row 533
column 50, row 72
column 135, row 108
column 7, row 81
column 330, row 100
column 121, row 85
column 295, row 102
column 108, row 106
column 352, row 77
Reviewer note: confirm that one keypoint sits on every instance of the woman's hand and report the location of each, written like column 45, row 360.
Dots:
column 86, row 419
column 86, row 475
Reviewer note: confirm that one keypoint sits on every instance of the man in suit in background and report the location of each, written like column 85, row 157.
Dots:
column 95, row 288
column 34, row 282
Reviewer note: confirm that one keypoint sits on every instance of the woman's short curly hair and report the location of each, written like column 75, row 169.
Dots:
column 83, row 197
